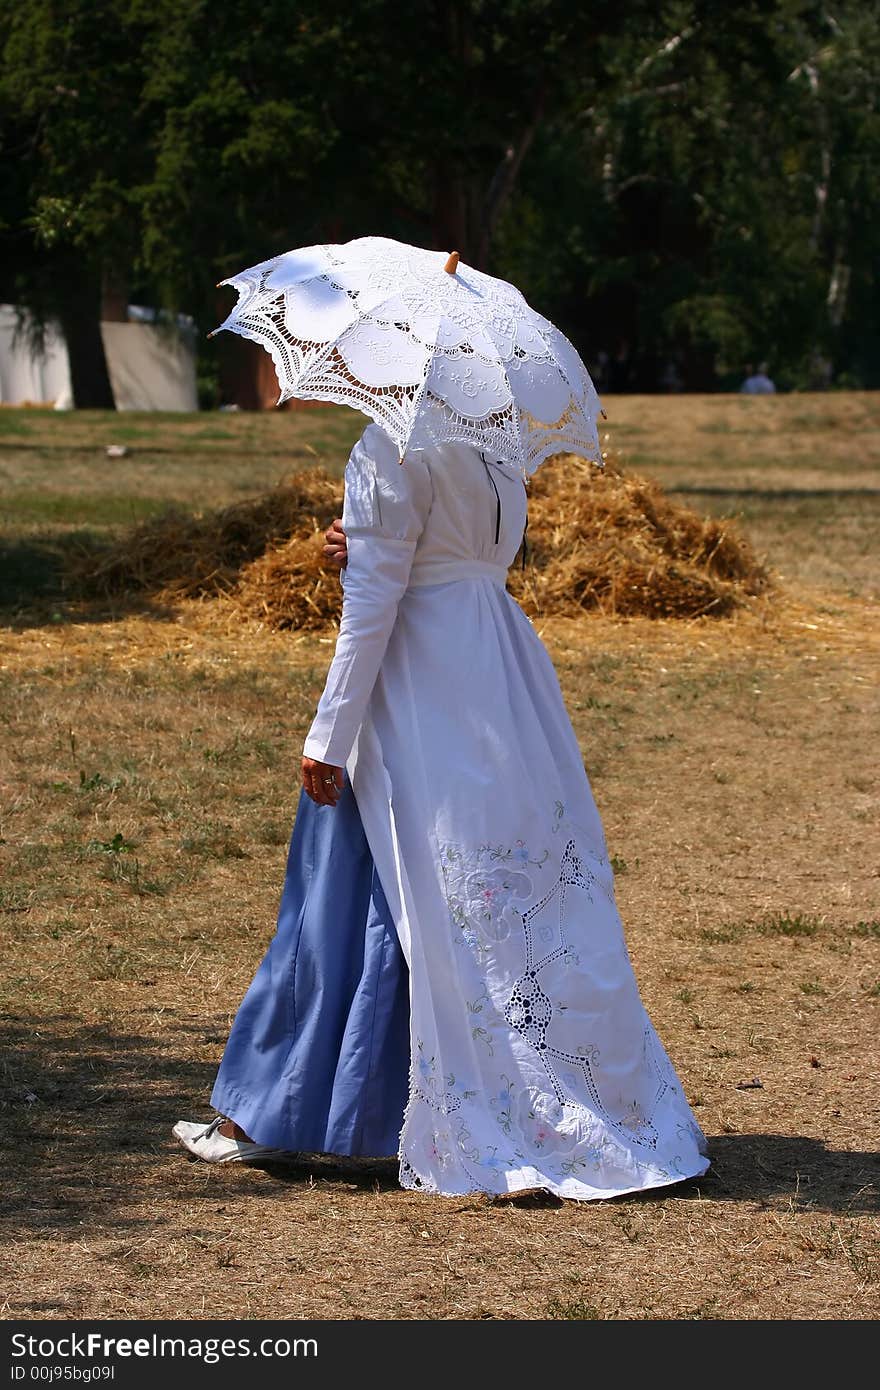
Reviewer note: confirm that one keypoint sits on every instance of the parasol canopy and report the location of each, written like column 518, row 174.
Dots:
column 431, row 349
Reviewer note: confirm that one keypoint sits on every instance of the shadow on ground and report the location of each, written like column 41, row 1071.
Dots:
column 770, row 494
column 767, row 1169
column 33, row 592
column 770, row 1168
column 80, row 1105
column 87, row 1113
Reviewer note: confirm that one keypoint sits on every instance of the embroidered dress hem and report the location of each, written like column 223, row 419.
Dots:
column 530, row 1180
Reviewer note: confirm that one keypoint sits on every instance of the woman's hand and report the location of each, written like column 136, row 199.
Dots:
column 322, row 781
column 335, row 549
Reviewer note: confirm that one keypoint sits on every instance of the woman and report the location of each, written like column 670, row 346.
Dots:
column 531, row 1060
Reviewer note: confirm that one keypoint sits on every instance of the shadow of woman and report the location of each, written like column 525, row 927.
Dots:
column 773, row 1169
column 767, row 1169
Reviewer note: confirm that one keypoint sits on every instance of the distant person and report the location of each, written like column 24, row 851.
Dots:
column 758, row 383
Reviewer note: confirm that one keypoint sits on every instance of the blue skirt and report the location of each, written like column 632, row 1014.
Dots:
column 318, row 1057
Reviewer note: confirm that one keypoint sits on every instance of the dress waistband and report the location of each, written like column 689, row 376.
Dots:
column 447, row 571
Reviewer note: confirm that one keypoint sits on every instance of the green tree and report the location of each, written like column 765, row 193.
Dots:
column 76, row 144
column 289, row 124
column 728, row 192
column 694, row 180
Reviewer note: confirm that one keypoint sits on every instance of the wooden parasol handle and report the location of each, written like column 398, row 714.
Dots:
column 451, row 265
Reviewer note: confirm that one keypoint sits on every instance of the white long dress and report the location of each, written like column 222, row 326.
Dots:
column 534, row 1063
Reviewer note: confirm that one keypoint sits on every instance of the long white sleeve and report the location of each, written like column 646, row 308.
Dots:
column 386, row 504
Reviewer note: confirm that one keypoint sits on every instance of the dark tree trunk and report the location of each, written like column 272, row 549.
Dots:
column 504, row 181
column 81, row 325
column 450, row 211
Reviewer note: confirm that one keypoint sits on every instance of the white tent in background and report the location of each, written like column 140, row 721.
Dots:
column 150, row 367
column 28, row 379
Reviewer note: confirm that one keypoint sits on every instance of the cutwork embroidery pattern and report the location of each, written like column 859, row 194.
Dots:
column 530, row 1009
column 485, row 891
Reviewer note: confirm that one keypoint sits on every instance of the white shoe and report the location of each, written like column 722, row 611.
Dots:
column 208, row 1144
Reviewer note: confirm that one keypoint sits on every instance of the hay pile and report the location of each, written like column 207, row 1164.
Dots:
column 291, row 586
column 597, row 540
column 610, row 541
column 190, row 554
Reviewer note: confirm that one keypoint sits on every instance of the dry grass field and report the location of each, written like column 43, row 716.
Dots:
column 148, row 780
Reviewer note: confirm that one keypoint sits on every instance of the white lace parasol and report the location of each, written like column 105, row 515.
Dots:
column 430, row 349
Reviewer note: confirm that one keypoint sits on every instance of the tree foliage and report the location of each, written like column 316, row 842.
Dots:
column 686, row 183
